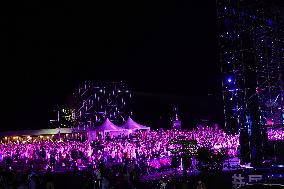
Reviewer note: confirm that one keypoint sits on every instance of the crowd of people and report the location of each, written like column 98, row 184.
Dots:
column 132, row 156
column 139, row 147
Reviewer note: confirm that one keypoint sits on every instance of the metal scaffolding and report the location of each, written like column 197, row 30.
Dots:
column 251, row 56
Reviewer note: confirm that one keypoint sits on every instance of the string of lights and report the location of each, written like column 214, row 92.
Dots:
column 96, row 101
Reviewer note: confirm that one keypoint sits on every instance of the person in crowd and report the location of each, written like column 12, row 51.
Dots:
column 98, row 178
column 162, row 184
column 33, row 182
column 3, row 183
column 52, row 162
column 200, row 185
column 171, row 183
column 49, row 181
column 22, row 184
column 105, row 183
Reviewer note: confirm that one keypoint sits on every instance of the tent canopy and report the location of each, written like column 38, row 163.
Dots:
column 132, row 125
column 37, row 132
column 108, row 126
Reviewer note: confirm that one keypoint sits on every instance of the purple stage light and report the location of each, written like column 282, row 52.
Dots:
column 275, row 134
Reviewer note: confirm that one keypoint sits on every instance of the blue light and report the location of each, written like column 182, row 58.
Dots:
column 269, row 22
column 229, row 80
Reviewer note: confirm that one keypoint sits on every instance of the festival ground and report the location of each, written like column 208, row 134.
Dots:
column 132, row 160
column 225, row 179
column 217, row 180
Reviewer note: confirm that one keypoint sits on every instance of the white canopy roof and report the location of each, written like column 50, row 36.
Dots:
column 108, row 126
column 36, row 132
column 132, row 125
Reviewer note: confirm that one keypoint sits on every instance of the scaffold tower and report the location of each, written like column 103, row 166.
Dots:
column 251, row 42
column 250, row 36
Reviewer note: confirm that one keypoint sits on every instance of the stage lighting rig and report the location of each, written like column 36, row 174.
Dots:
column 251, row 46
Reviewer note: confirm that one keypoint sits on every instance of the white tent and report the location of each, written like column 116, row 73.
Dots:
column 106, row 127
column 132, row 125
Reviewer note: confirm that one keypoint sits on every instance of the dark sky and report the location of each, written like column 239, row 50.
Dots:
column 165, row 50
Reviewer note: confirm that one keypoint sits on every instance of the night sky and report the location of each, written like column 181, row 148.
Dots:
column 165, row 50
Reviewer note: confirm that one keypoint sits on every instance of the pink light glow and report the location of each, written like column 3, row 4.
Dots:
column 269, row 122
